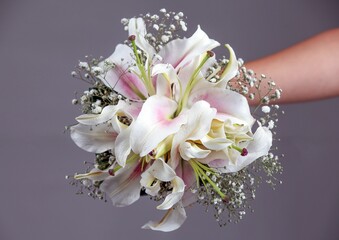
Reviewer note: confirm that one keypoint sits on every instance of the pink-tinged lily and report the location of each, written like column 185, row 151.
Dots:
column 180, row 84
column 121, row 74
column 155, row 122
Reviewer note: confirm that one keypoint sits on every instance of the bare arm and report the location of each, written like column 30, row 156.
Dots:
column 306, row 71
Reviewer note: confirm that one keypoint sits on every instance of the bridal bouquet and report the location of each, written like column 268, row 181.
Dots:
column 167, row 119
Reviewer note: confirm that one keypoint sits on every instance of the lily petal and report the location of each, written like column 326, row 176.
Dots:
column 95, row 139
column 124, row 188
column 108, row 113
column 162, row 171
column 198, row 125
column 176, row 195
column 186, row 173
column 151, row 184
column 137, row 27
column 180, row 51
column 190, row 150
column 166, row 76
column 172, row 220
column 258, row 147
column 154, row 124
column 216, row 138
column 120, row 78
column 261, row 144
column 231, row 69
column 123, row 146
column 226, row 102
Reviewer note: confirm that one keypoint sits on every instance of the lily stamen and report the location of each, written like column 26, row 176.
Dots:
column 193, row 80
column 243, row 151
column 146, row 80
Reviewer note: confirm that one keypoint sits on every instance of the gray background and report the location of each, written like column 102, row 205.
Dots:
column 40, row 43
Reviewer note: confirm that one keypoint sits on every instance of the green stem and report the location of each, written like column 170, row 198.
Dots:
column 197, row 167
column 193, row 80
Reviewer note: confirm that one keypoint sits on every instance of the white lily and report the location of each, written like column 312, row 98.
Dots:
column 158, row 173
column 235, row 120
column 154, row 124
column 257, row 147
column 121, row 75
column 101, row 132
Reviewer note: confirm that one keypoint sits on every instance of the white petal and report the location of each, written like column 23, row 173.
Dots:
column 166, row 76
column 186, row 173
column 124, row 188
column 137, row 27
column 176, row 195
column 92, row 119
column 95, row 139
column 198, row 125
column 180, row 51
column 216, row 159
column 261, row 144
column 226, row 102
column 232, row 66
column 185, row 73
column 154, row 124
column 119, row 78
column 123, row 146
column 199, row 121
column 216, row 144
column 190, row 150
column 162, row 171
column 151, row 184
column 172, row 220
column 106, row 114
